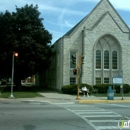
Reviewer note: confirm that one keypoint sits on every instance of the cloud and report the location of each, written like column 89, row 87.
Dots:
column 58, row 9
column 68, row 24
column 64, row 23
column 61, row 17
column 53, row 5
column 121, row 4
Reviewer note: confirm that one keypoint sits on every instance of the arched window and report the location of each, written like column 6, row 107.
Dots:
column 106, row 59
column 98, row 59
column 114, row 60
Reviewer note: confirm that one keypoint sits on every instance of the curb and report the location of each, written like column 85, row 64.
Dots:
column 103, row 101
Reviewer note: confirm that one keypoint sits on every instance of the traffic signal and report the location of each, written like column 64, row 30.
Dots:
column 82, row 59
column 74, row 59
column 75, row 71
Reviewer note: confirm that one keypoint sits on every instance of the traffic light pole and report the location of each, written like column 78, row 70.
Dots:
column 78, row 86
column 78, row 69
column 78, row 75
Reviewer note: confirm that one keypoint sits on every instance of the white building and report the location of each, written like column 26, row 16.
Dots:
column 104, row 40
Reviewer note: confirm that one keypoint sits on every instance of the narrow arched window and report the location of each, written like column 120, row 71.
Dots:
column 114, row 60
column 106, row 59
column 98, row 59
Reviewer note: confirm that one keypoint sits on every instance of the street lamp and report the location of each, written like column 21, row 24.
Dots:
column 15, row 54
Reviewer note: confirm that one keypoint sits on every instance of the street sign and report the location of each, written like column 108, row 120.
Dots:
column 118, row 80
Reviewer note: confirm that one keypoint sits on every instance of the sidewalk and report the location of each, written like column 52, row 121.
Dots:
column 56, row 97
column 59, row 97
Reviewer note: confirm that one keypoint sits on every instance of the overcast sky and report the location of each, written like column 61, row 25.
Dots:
column 61, row 15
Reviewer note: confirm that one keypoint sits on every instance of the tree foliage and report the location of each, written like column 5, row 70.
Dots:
column 23, row 32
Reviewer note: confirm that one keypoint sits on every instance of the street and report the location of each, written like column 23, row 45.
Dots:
column 38, row 116
column 102, row 116
column 61, row 116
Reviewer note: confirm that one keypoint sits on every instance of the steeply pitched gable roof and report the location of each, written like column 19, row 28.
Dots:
column 71, row 30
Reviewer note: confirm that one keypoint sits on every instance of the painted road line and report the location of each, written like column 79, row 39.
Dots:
column 65, row 103
column 102, row 116
column 98, row 112
column 103, row 121
column 36, row 103
column 119, row 105
column 108, row 127
column 80, row 105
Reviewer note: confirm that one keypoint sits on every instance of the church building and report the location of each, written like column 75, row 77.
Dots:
column 104, row 40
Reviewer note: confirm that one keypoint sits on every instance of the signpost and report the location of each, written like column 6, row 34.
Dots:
column 118, row 81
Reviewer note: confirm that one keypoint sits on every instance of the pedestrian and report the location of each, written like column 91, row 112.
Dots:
column 84, row 90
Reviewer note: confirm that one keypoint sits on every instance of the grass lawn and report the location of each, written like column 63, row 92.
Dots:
column 115, row 95
column 21, row 94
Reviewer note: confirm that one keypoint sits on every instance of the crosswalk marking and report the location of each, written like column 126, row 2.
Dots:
column 104, row 121
column 119, row 105
column 90, row 113
column 101, row 116
column 108, row 127
column 88, row 110
column 95, row 112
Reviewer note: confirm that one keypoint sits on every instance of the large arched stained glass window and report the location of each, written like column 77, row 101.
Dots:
column 106, row 59
column 98, row 59
column 114, row 60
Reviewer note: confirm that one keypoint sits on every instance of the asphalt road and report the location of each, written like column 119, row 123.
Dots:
column 120, row 108
column 38, row 116
column 61, row 116
column 104, row 116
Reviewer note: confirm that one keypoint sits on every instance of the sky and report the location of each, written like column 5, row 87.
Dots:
column 61, row 15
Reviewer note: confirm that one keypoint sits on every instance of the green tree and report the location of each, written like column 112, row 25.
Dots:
column 23, row 32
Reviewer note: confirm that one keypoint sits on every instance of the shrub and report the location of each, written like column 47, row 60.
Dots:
column 72, row 89
column 126, row 88
column 69, row 89
column 102, row 88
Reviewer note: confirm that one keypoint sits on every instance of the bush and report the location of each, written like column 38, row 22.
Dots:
column 126, row 88
column 69, row 89
column 72, row 89
column 102, row 88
